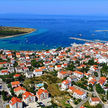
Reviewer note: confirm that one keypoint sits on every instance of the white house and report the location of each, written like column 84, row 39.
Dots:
column 15, row 84
column 102, row 81
column 65, row 84
column 79, row 94
column 15, row 103
column 29, row 74
column 28, row 97
column 38, row 72
column 4, row 72
column 42, row 94
column 94, row 101
column 58, row 67
column 19, row 90
column 62, row 74
column 78, row 74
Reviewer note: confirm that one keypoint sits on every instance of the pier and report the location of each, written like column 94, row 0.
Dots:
column 101, row 30
column 86, row 40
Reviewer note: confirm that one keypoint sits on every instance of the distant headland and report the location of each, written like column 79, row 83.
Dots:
column 7, row 32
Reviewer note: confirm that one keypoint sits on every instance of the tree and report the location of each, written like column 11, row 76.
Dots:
column 15, row 64
column 104, row 69
column 92, row 62
column 70, row 67
column 59, row 49
column 45, row 86
column 96, row 74
column 36, row 64
column 5, row 95
column 91, row 87
column 99, row 106
column 107, row 94
column 99, row 89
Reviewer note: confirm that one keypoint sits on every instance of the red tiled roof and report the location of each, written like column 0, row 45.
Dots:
column 72, row 88
column 78, row 72
column 95, row 99
column 63, row 72
column 4, row 71
column 14, row 100
column 19, row 88
column 3, row 62
column 38, row 70
column 40, row 91
column 15, row 83
column 17, row 75
column 27, row 94
column 79, row 92
column 65, row 82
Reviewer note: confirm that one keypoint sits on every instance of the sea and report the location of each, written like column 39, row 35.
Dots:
column 53, row 31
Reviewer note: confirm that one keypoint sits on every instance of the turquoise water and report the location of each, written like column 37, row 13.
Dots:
column 53, row 31
column 40, row 85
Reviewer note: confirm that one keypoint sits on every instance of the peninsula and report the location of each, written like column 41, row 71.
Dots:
column 6, row 32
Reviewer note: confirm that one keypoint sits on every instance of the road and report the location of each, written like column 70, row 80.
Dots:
column 1, row 102
column 4, row 85
column 94, row 89
column 82, row 102
column 5, row 88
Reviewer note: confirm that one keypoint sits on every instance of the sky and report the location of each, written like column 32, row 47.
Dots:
column 56, row 7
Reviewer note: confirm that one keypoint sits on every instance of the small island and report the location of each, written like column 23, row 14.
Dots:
column 6, row 32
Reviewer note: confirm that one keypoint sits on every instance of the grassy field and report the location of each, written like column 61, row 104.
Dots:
column 60, row 96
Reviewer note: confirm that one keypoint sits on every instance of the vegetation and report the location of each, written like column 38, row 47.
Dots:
column 5, row 95
column 50, row 84
column 99, row 89
column 36, row 64
column 104, row 69
column 54, row 73
column 87, row 105
column 96, row 74
column 92, row 62
column 62, row 101
column 70, row 67
column 9, row 31
column 107, row 95
column 9, row 78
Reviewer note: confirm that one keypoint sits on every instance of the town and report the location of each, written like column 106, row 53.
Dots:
column 70, row 77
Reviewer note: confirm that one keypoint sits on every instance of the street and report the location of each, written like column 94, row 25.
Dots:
column 82, row 102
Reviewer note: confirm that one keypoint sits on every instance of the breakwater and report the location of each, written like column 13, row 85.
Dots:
column 86, row 40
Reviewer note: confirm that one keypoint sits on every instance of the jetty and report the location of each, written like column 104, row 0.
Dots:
column 101, row 30
column 86, row 40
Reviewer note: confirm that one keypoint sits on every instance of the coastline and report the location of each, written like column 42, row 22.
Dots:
column 10, row 36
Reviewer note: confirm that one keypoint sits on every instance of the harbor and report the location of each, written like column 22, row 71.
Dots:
column 86, row 40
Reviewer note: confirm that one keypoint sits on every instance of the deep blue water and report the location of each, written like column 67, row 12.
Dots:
column 53, row 31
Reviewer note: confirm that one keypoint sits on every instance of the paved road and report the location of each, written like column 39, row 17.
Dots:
column 4, row 85
column 82, row 102
column 1, row 103
column 94, row 89
column 105, row 105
